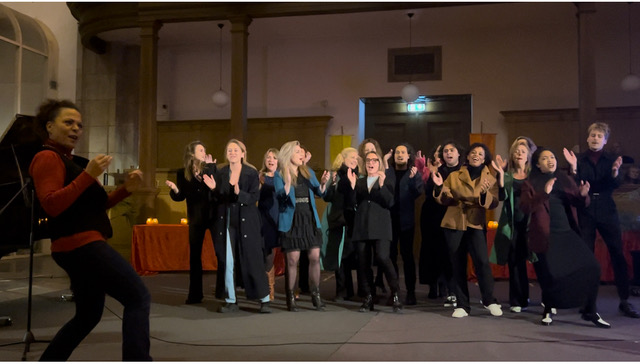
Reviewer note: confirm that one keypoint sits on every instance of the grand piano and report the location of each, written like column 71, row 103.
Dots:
column 19, row 143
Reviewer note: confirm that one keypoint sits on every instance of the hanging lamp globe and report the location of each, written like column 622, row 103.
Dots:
column 630, row 83
column 410, row 92
column 220, row 98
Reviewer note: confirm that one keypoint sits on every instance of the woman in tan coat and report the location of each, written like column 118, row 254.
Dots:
column 468, row 193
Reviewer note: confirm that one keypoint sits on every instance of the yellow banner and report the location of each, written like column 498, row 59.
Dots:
column 337, row 143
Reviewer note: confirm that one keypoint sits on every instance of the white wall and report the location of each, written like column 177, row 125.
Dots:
column 513, row 56
column 57, row 17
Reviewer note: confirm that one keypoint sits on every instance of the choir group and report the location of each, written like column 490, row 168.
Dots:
column 549, row 218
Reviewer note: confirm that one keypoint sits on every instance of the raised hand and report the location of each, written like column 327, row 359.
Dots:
column 209, row 181
column 548, row 187
column 352, row 178
column 97, row 165
column 172, row 186
column 499, row 164
column 584, row 188
column 325, row 177
column 571, row 158
column 615, row 168
column 437, row 178
column 133, row 180
column 386, row 157
column 433, row 168
column 381, row 178
column 307, row 157
column 413, row 172
column 208, row 159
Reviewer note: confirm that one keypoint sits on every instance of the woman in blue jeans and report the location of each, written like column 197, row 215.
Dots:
column 75, row 203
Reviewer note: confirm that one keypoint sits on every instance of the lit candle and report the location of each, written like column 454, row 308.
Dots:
column 183, row 221
column 155, row 221
column 149, row 221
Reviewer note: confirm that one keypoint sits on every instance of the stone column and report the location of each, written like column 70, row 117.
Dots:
column 586, row 71
column 148, row 140
column 239, row 59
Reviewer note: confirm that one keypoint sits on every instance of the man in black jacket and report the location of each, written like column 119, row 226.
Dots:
column 602, row 171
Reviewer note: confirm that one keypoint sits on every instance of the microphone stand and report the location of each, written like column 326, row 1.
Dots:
column 28, row 338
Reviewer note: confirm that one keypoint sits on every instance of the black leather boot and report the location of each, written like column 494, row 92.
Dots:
column 315, row 298
column 291, row 301
column 367, row 305
column 397, row 306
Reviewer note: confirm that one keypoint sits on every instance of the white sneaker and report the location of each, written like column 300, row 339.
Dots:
column 459, row 313
column 451, row 302
column 515, row 309
column 495, row 309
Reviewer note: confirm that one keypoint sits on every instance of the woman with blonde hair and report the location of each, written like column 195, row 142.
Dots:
column 190, row 186
column 339, row 253
column 298, row 222
column 236, row 189
column 510, row 243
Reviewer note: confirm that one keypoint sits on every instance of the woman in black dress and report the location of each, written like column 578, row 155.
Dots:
column 568, row 272
column 298, row 223
column 268, row 206
column 190, row 186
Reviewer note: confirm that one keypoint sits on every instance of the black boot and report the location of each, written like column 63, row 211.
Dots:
column 367, row 305
column 264, row 307
column 291, row 301
column 397, row 306
column 315, row 298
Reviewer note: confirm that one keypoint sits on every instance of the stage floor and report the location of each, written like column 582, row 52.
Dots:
column 425, row 332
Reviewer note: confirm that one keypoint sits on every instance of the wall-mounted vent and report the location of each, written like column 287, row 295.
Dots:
column 414, row 64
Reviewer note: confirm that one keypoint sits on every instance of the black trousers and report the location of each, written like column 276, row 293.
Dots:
column 404, row 239
column 473, row 242
column 517, row 262
column 599, row 216
column 364, row 250
column 196, row 239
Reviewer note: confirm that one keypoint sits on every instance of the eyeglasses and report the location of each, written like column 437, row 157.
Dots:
column 369, row 160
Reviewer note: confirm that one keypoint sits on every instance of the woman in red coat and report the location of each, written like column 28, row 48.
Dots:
column 568, row 272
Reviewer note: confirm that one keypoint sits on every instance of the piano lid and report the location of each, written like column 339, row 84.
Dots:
column 20, row 142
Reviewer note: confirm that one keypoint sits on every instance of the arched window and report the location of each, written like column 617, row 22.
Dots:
column 25, row 59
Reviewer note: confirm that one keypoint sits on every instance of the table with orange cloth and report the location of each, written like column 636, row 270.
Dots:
column 630, row 240
column 165, row 247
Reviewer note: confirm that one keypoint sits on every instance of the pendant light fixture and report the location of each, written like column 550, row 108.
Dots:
column 631, row 82
column 220, row 98
column 410, row 92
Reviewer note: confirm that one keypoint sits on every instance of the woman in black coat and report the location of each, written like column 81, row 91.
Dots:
column 190, row 186
column 372, row 227
column 236, row 189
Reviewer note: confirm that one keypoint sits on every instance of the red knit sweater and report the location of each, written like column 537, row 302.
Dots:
column 48, row 172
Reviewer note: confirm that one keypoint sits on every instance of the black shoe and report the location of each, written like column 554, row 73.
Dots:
column 229, row 307
column 397, row 306
column 597, row 320
column 628, row 310
column 264, row 307
column 291, row 301
column 193, row 301
column 367, row 305
column 316, row 300
column 410, row 299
